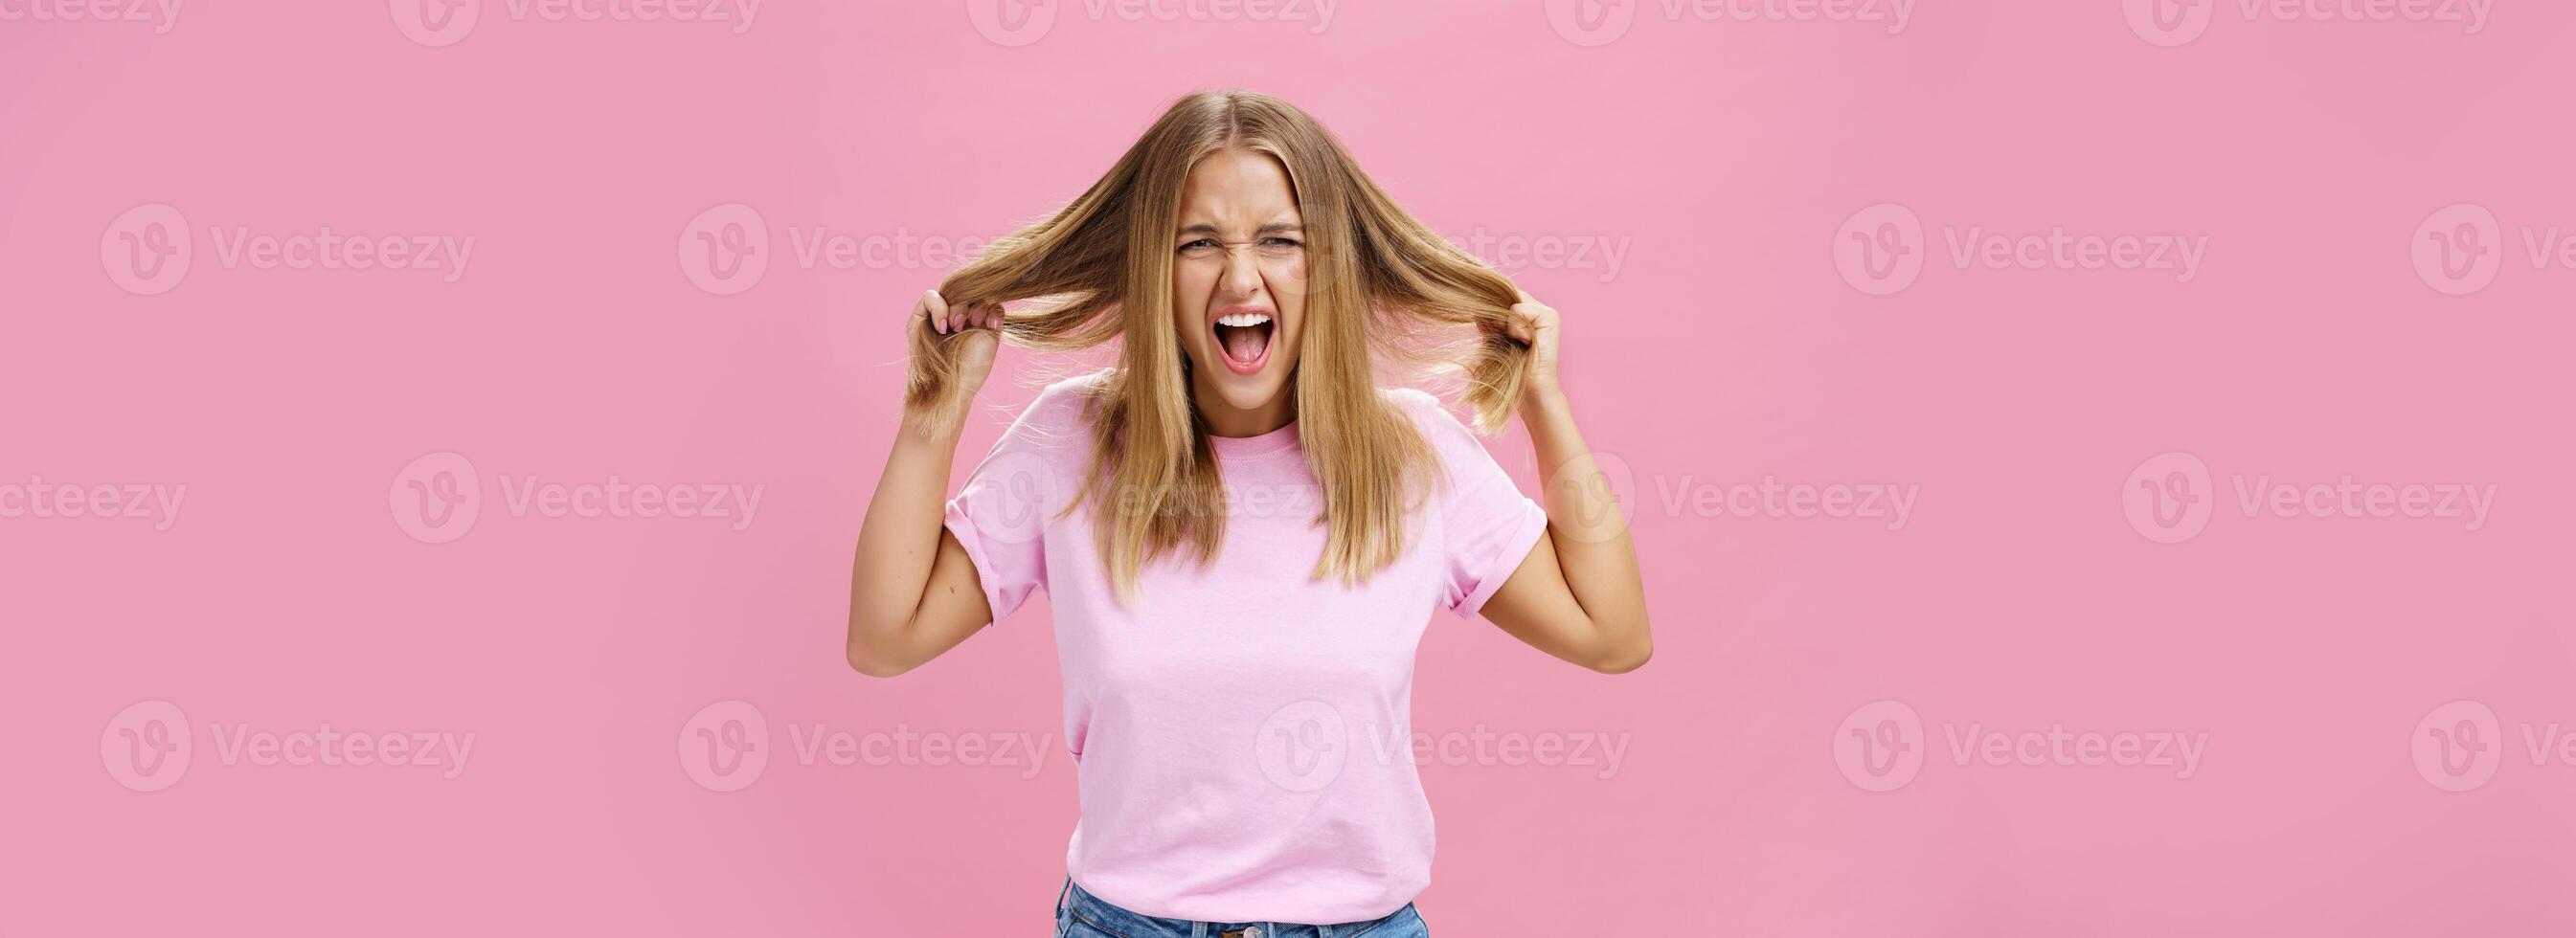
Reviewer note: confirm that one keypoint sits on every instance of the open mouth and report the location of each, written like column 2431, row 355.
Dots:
column 1244, row 340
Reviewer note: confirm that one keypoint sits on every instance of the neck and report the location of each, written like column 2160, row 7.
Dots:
column 1224, row 419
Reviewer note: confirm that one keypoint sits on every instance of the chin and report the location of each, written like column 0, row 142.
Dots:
column 1251, row 392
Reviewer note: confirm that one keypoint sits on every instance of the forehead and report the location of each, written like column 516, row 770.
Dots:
column 1238, row 185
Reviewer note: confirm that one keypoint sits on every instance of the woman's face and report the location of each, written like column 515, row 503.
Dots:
column 1239, row 289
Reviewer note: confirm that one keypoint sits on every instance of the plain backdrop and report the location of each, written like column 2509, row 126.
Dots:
column 1772, row 230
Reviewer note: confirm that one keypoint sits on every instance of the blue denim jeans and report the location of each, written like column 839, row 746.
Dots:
column 1079, row 914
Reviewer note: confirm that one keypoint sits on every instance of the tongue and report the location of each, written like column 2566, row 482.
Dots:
column 1244, row 343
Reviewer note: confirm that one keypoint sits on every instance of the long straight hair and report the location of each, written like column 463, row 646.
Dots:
column 1384, row 295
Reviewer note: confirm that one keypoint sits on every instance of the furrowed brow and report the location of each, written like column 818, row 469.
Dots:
column 1276, row 227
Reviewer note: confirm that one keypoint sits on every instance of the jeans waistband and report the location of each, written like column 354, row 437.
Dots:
column 1074, row 904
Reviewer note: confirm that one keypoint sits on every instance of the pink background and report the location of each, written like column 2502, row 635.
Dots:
column 2029, row 588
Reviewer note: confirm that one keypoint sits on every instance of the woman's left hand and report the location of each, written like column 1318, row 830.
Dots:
column 1535, row 323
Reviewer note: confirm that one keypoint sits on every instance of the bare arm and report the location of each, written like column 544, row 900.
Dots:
column 1579, row 595
column 913, row 592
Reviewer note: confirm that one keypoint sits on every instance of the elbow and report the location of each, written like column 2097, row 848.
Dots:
column 873, row 664
column 1626, row 657
column 866, row 658
column 1624, row 661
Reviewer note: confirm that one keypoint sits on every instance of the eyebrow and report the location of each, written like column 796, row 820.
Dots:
column 1275, row 227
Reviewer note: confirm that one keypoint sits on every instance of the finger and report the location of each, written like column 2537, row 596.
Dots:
column 938, row 306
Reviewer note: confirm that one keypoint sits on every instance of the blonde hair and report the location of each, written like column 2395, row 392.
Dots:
column 1383, row 292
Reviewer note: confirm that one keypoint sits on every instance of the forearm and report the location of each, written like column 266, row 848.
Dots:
column 899, row 539
column 1589, row 532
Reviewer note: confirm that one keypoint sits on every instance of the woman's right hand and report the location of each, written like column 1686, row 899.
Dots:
column 977, row 332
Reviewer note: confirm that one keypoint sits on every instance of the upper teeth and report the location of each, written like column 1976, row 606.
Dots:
column 1243, row 319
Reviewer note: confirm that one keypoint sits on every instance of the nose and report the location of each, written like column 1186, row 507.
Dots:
column 1242, row 277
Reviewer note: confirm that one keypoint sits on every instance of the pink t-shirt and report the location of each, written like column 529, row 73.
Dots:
column 1242, row 732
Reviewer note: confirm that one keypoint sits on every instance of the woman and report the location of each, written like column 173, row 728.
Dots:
column 1240, row 534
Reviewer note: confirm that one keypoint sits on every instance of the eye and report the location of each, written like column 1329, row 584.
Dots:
column 1199, row 245
column 1283, row 242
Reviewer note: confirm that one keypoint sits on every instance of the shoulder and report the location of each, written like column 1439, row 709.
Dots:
column 1452, row 445
column 1429, row 415
column 1057, row 423
column 1066, row 404
column 1077, row 390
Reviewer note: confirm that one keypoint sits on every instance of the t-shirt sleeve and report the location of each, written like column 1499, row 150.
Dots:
column 1488, row 526
column 1001, row 515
